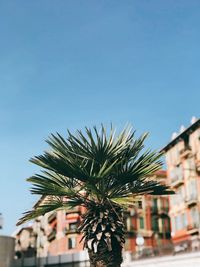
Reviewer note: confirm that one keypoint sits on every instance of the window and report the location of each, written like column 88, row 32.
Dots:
column 141, row 222
column 154, row 221
column 173, row 225
column 184, row 220
column 140, row 204
column 176, row 153
column 155, row 205
column 164, row 204
column 71, row 242
column 72, row 226
column 191, row 164
column 193, row 189
column 172, row 200
column 176, row 173
column 167, row 205
column 176, row 223
column 167, row 225
column 180, row 222
column 195, row 216
column 155, row 202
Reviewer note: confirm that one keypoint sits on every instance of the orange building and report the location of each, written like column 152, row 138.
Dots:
column 63, row 236
column 57, row 234
column 150, row 221
column 183, row 171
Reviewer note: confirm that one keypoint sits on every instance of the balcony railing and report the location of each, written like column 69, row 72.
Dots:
column 71, row 211
column 193, row 228
column 178, row 180
column 52, row 217
column 52, row 235
column 191, row 200
column 71, row 231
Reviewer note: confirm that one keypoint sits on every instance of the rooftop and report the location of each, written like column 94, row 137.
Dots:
column 181, row 135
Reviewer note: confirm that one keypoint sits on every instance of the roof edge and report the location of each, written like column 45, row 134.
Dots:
column 187, row 131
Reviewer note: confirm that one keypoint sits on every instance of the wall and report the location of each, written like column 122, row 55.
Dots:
column 6, row 251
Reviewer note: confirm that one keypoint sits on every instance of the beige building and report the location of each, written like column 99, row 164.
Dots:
column 183, row 171
column 25, row 241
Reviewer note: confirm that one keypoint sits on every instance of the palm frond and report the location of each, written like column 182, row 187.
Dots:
column 92, row 167
column 50, row 204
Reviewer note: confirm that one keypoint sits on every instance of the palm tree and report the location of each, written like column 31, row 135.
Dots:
column 103, row 172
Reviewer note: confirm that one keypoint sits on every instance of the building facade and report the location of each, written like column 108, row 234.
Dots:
column 150, row 220
column 25, row 243
column 57, row 234
column 183, row 171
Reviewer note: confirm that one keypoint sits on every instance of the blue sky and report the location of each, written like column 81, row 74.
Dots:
column 67, row 64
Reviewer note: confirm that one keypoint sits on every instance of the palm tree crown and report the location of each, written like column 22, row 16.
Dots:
column 98, row 170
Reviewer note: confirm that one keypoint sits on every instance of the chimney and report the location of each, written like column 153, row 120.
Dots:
column 174, row 135
column 193, row 119
column 182, row 129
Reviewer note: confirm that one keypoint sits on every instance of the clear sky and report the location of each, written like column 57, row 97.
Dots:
column 70, row 63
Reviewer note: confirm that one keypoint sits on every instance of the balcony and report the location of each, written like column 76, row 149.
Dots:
column 191, row 200
column 52, row 235
column 177, row 182
column 52, row 217
column 72, row 228
column 193, row 228
column 72, row 211
column 71, row 231
column 185, row 152
column 176, row 176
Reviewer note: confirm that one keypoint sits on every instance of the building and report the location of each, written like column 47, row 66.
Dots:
column 63, row 236
column 150, row 220
column 56, row 232
column 53, row 234
column 183, row 172
column 25, row 243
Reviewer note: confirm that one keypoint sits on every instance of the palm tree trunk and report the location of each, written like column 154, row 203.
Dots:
column 106, row 258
